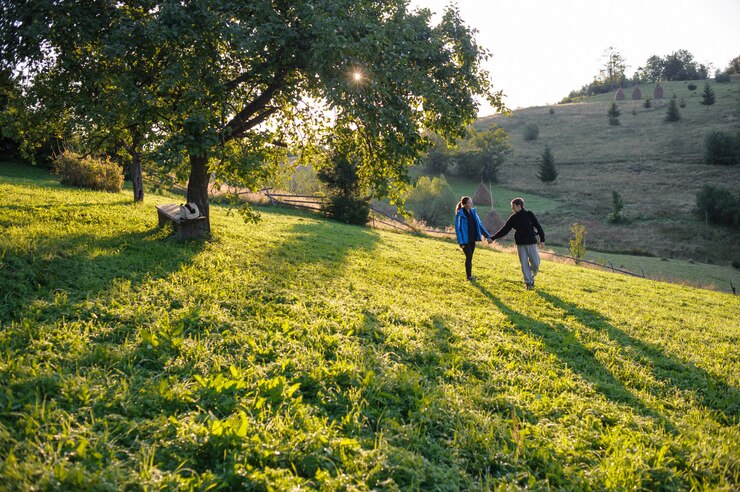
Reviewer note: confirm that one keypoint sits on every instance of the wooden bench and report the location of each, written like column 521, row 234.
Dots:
column 186, row 228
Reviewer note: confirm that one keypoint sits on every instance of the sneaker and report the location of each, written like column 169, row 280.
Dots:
column 529, row 286
column 472, row 278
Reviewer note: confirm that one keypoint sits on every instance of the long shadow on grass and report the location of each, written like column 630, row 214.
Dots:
column 81, row 266
column 560, row 341
column 409, row 401
column 315, row 251
column 710, row 391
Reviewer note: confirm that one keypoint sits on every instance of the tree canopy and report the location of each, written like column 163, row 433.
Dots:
column 225, row 88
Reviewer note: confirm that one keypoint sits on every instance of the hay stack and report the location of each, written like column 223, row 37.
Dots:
column 619, row 96
column 658, row 92
column 636, row 94
column 482, row 196
column 493, row 221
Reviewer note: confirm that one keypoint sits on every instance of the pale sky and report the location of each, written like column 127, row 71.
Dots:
column 543, row 49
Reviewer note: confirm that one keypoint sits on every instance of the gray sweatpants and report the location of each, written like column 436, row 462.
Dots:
column 529, row 259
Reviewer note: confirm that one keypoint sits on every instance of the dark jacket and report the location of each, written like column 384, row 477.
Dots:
column 526, row 226
column 461, row 227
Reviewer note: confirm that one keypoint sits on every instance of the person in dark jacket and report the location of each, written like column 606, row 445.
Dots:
column 526, row 227
column 469, row 229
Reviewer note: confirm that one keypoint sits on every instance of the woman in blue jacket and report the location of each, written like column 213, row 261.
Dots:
column 469, row 229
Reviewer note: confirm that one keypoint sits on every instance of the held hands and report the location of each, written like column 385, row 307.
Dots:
column 489, row 240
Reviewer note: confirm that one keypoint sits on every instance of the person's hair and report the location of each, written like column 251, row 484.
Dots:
column 518, row 201
column 462, row 202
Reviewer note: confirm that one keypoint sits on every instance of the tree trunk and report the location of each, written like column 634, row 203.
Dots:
column 136, row 179
column 198, row 186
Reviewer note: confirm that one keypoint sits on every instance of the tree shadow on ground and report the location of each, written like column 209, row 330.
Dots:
column 409, row 399
column 562, row 342
column 315, row 251
column 710, row 391
column 81, row 266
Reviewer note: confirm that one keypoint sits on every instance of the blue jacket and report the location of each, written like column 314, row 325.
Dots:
column 461, row 227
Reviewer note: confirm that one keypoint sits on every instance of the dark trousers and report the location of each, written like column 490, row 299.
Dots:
column 469, row 249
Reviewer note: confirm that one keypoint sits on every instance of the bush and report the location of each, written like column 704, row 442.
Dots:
column 339, row 174
column 615, row 217
column 721, row 149
column 432, row 200
column 348, row 209
column 722, row 77
column 719, row 206
column 691, row 87
column 531, row 131
column 577, row 245
column 88, row 172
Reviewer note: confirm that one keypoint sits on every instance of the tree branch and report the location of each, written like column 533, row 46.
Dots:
column 244, row 120
column 248, row 125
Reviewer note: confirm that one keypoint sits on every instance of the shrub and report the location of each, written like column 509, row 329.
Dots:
column 88, row 172
column 648, row 103
column 432, row 200
column 577, row 244
column 552, row 111
column 531, row 131
column 721, row 149
column 691, row 87
column 718, row 205
column 722, row 77
column 345, row 204
column 348, row 209
column 615, row 216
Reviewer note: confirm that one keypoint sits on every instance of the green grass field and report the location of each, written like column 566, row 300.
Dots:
column 303, row 353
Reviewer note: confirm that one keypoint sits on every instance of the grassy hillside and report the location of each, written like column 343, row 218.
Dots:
column 655, row 166
column 299, row 352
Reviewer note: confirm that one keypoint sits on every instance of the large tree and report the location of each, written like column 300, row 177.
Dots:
column 237, row 81
column 614, row 66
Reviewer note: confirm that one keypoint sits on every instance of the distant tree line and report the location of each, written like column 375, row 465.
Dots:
column 679, row 65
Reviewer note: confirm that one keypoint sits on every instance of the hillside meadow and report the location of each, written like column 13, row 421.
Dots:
column 303, row 353
column 655, row 166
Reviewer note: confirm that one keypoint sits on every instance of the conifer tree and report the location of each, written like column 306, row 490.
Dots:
column 672, row 114
column 613, row 114
column 617, row 206
column 547, row 172
column 707, row 97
